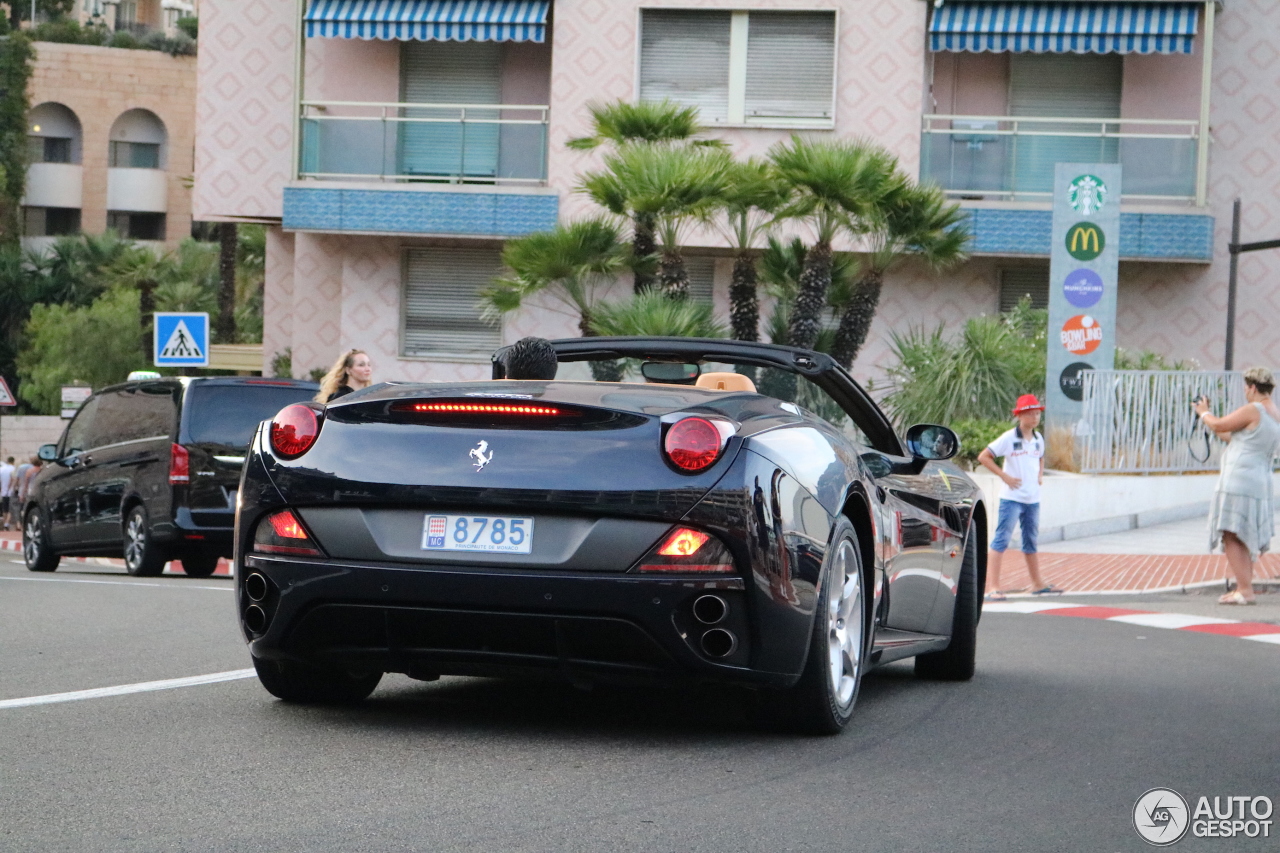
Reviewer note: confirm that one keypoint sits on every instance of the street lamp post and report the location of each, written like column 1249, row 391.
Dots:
column 1235, row 247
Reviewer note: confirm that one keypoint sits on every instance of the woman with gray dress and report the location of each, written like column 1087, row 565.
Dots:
column 1242, row 513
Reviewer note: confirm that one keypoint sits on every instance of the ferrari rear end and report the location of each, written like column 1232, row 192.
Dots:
column 585, row 531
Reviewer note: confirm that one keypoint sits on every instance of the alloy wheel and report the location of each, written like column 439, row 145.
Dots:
column 135, row 540
column 844, row 625
column 32, row 538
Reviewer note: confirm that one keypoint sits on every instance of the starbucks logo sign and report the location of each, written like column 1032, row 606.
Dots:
column 1087, row 195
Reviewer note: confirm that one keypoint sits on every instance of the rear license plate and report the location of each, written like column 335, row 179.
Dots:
column 491, row 534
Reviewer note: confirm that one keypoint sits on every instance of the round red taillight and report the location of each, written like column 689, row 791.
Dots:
column 294, row 430
column 693, row 444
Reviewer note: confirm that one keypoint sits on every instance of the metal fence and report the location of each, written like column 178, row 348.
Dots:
column 1141, row 421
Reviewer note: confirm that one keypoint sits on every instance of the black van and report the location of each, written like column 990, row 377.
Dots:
column 148, row 470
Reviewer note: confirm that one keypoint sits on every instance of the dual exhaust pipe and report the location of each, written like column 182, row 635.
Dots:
column 256, row 587
column 715, row 642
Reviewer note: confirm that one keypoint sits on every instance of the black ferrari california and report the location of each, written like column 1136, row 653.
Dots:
column 720, row 511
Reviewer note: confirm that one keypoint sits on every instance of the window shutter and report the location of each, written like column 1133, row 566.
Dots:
column 702, row 274
column 450, row 73
column 1024, row 281
column 441, row 292
column 684, row 56
column 790, row 65
column 1065, row 85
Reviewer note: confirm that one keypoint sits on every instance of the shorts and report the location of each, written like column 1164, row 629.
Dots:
column 4, row 505
column 1027, row 516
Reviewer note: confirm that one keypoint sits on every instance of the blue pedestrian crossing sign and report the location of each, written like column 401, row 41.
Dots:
column 181, row 339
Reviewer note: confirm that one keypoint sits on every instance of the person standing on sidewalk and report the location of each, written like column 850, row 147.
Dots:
column 352, row 371
column 1242, row 512
column 1023, row 473
column 7, row 482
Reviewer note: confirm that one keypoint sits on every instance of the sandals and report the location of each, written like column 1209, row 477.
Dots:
column 996, row 596
column 1048, row 590
column 1236, row 598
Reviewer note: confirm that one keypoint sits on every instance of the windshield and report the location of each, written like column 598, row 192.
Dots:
column 229, row 414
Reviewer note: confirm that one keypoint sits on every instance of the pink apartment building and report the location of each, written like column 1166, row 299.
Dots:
column 391, row 147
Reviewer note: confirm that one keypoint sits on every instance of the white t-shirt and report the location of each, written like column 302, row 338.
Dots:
column 1022, row 460
column 6, row 478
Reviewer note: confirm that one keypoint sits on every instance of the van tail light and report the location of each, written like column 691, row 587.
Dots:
column 693, row 444
column 294, row 430
column 179, row 465
column 687, row 550
column 282, row 533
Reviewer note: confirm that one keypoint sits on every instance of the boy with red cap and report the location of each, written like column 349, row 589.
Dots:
column 1023, row 451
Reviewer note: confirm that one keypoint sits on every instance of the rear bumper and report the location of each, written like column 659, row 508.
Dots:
column 463, row 620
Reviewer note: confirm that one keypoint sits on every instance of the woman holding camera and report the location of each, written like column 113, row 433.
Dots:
column 1242, row 514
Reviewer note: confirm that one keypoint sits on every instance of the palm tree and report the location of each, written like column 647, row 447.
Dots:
column 141, row 269
column 624, row 123
column 748, row 203
column 567, row 262
column 224, row 330
column 652, row 314
column 838, row 185
column 672, row 186
column 781, row 266
column 915, row 220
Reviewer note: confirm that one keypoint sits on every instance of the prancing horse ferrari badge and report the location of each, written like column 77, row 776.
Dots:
column 481, row 458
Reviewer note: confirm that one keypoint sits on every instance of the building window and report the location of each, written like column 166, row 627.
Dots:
column 439, row 311
column 767, row 68
column 1019, row 282
column 137, row 226
column 134, row 155
column 48, row 149
column 50, row 221
column 702, row 276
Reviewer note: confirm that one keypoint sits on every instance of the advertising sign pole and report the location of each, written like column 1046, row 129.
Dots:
column 1084, row 267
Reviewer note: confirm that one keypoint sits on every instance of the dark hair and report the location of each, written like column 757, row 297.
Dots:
column 530, row 358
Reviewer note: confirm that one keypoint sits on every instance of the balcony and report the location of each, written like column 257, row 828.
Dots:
column 503, row 144
column 1008, row 158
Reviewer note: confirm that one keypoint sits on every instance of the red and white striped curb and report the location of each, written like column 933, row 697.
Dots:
column 171, row 568
column 1262, row 632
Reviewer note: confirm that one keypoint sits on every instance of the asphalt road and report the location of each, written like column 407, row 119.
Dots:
column 1068, row 722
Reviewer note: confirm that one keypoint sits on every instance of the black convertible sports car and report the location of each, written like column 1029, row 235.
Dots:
column 677, row 524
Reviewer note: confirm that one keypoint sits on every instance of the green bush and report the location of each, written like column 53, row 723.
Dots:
column 190, row 26
column 976, row 434
column 69, row 31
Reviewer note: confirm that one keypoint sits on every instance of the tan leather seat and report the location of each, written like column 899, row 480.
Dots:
column 726, row 382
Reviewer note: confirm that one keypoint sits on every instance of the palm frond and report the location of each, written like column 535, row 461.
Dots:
column 653, row 314
column 622, row 122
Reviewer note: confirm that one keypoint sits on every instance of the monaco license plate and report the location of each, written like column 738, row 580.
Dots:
column 491, row 534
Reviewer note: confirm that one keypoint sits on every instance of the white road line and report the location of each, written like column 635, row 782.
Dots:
column 124, row 689
column 1169, row 620
column 119, row 583
column 1263, row 638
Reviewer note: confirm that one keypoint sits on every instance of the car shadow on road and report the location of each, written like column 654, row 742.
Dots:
column 520, row 707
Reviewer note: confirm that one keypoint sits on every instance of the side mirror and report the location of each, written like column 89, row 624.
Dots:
column 930, row 441
column 48, row 452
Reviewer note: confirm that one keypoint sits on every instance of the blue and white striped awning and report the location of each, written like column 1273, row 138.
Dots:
column 977, row 27
column 429, row 20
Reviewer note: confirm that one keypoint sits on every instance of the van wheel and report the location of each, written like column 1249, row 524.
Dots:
column 294, row 682
column 36, row 550
column 199, row 564
column 142, row 556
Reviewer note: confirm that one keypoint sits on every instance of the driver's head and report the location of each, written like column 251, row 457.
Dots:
column 530, row 358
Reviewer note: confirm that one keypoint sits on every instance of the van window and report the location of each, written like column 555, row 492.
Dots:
column 228, row 415
column 147, row 411
column 77, row 437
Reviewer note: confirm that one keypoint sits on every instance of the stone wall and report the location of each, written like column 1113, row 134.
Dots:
column 22, row 435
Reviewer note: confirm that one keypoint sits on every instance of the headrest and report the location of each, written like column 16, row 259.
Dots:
column 726, row 382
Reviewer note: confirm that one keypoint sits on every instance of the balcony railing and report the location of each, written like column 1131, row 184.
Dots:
column 1007, row 158
column 449, row 143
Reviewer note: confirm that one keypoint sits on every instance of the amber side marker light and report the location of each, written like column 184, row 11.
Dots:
column 282, row 533
column 688, row 550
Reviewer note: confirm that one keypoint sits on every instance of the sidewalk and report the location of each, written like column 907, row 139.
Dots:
column 1163, row 558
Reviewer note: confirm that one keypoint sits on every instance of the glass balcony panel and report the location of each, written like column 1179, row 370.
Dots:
column 1010, row 159
column 478, row 144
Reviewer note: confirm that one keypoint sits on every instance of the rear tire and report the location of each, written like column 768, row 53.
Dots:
column 142, row 555
column 295, row 682
column 199, row 564
column 958, row 660
column 822, row 701
column 37, row 552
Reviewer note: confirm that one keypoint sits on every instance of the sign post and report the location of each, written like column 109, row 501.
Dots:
column 1084, row 268
column 181, row 339
column 73, row 397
